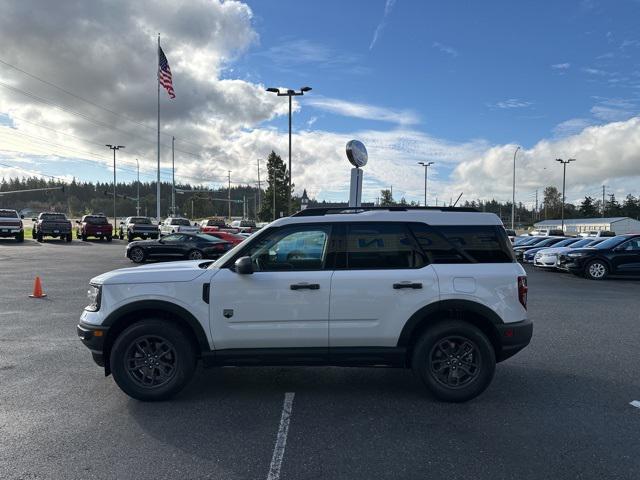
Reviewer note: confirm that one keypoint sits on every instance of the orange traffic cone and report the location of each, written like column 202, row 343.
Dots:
column 37, row 289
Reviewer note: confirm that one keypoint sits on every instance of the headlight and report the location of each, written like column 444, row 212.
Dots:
column 576, row 255
column 94, row 296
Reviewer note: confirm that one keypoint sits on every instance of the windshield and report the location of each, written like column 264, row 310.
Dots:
column 564, row 243
column 140, row 221
column 53, row 216
column 582, row 243
column 208, row 238
column 215, row 223
column 611, row 242
column 8, row 214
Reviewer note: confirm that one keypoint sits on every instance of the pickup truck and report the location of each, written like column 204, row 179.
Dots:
column 141, row 227
column 177, row 225
column 11, row 225
column 244, row 226
column 51, row 224
column 94, row 226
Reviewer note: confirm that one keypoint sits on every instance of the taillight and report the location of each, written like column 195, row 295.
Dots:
column 522, row 290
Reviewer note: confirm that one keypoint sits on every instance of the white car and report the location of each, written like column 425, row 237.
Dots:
column 548, row 257
column 177, row 225
column 434, row 290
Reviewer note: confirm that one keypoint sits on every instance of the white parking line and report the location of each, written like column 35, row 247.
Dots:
column 635, row 403
column 281, row 440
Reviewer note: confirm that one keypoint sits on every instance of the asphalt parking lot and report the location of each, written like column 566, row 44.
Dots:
column 559, row 409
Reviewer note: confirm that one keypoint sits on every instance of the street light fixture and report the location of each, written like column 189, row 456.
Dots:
column 564, row 176
column 114, row 148
column 426, row 168
column 289, row 93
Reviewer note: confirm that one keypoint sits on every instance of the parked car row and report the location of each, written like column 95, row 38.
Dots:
column 57, row 225
column 592, row 257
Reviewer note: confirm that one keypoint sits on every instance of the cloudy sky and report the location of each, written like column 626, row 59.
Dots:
column 459, row 84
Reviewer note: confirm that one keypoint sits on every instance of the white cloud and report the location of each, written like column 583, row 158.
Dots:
column 511, row 103
column 561, row 66
column 571, row 126
column 445, row 49
column 608, row 152
column 362, row 110
column 388, row 6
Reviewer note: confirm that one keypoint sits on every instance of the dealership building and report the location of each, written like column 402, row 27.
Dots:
column 577, row 226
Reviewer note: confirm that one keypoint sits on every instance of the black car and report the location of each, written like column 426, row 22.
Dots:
column 544, row 242
column 178, row 246
column 619, row 255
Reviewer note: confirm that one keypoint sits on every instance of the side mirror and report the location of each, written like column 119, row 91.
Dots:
column 21, row 216
column 244, row 266
column 78, row 222
column 121, row 223
column 34, row 219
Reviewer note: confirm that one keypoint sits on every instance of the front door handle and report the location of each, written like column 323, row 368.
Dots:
column 305, row 285
column 415, row 286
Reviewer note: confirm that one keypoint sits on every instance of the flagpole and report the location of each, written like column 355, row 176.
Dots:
column 158, row 181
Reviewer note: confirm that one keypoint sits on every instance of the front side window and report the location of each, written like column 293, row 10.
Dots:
column 291, row 249
column 632, row 245
column 382, row 246
column 175, row 238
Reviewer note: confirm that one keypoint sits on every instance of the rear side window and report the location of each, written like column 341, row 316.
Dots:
column 463, row 243
column 382, row 246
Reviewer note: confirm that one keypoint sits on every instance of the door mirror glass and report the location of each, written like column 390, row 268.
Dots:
column 21, row 216
column 244, row 266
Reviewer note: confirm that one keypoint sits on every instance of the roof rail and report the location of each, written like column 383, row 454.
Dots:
column 319, row 211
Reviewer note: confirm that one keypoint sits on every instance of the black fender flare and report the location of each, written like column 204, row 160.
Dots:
column 416, row 320
column 176, row 312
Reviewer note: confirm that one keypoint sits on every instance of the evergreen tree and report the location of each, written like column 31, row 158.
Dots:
column 587, row 208
column 278, row 182
column 631, row 207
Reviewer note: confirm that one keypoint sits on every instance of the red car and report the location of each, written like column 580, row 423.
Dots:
column 226, row 236
column 94, row 226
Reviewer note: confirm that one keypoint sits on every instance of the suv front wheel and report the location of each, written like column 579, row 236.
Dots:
column 454, row 360
column 152, row 360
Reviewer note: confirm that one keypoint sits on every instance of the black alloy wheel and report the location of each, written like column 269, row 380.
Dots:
column 455, row 360
column 137, row 255
column 153, row 359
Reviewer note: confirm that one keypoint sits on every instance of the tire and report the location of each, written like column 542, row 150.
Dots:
column 129, row 237
column 440, row 370
column 84, row 238
column 137, row 255
column 20, row 237
column 121, row 236
column 39, row 237
column 195, row 255
column 141, row 344
column 69, row 237
column 596, row 270
column 79, row 235
column 109, row 238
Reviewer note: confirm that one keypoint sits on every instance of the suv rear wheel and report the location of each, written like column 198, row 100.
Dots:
column 152, row 360
column 454, row 360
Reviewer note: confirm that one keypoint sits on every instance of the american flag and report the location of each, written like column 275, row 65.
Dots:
column 164, row 73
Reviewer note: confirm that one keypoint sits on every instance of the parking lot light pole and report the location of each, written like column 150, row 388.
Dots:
column 426, row 168
column 289, row 93
column 513, row 194
column 564, row 177
column 114, row 148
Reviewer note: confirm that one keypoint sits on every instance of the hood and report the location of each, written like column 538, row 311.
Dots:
column 555, row 250
column 183, row 271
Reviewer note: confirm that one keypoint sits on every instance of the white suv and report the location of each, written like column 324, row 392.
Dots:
column 435, row 290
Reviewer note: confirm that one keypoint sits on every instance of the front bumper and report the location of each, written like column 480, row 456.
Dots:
column 513, row 338
column 93, row 337
column 550, row 261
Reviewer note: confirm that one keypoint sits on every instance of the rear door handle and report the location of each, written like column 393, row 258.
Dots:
column 305, row 285
column 415, row 286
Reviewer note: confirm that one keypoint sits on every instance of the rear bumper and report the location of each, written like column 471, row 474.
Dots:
column 513, row 338
column 6, row 232
column 93, row 338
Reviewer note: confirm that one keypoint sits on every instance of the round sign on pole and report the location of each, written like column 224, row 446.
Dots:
column 357, row 153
